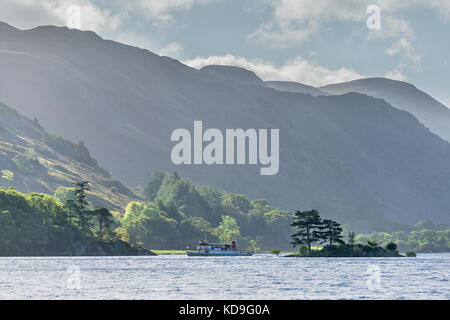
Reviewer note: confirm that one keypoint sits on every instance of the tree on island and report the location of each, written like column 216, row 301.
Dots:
column 351, row 239
column 308, row 224
column 331, row 232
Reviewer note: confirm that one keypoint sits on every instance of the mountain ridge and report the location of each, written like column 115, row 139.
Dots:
column 124, row 102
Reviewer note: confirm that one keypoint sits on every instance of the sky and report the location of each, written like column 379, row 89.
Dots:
column 315, row 42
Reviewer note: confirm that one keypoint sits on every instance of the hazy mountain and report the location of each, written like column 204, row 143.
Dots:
column 353, row 157
column 40, row 162
column 404, row 96
column 233, row 74
column 295, row 87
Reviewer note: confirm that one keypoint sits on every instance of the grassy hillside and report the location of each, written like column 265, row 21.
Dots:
column 32, row 160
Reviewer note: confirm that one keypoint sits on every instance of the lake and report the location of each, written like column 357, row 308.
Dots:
column 258, row 277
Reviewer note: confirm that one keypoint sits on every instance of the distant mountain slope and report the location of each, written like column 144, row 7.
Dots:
column 295, row 87
column 404, row 96
column 233, row 74
column 353, row 157
column 40, row 162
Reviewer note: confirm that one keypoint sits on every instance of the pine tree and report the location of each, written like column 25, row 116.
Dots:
column 307, row 224
column 82, row 204
column 331, row 232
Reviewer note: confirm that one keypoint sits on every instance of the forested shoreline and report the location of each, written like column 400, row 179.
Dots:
column 175, row 215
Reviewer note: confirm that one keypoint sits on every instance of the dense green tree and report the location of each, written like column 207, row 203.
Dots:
column 307, row 224
column 228, row 230
column 331, row 232
column 149, row 226
column 84, row 214
column 154, row 183
column 391, row 246
column 104, row 219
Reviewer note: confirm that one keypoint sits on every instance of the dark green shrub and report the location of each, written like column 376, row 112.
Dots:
column 411, row 254
column 391, row 246
column 372, row 243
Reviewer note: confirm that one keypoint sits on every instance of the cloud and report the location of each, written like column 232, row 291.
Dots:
column 396, row 75
column 294, row 21
column 172, row 50
column 26, row 14
column 297, row 69
column 159, row 10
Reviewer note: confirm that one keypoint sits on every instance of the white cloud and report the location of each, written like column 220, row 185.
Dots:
column 160, row 9
column 297, row 70
column 172, row 50
column 396, row 75
column 295, row 20
column 26, row 14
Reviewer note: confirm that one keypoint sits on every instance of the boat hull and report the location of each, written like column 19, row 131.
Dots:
column 221, row 254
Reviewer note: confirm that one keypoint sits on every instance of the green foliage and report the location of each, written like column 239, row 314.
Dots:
column 419, row 241
column 228, row 230
column 391, row 246
column 152, row 187
column 275, row 251
column 358, row 250
column 33, row 224
column 351, row 238
column 198, row 211
column 7, row 175
column 186, row 196
column 330, row 231
column 308, row 225
column 28, row 162
column 410, row 254
column 193, row 229
column 39, row 224
column 148, row 225
column 104, row 218
column 63, row 194
column 372, row 243
column 303, row 250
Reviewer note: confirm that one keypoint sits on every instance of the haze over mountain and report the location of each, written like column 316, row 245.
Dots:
column 404, row 96
column 353, row 157
column 295, row 87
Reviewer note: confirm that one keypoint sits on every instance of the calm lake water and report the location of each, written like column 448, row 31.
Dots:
column 257, row 277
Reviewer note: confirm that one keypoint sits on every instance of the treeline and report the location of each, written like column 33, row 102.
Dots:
column 39, row 224
column 425, row 240
column 178, row 213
